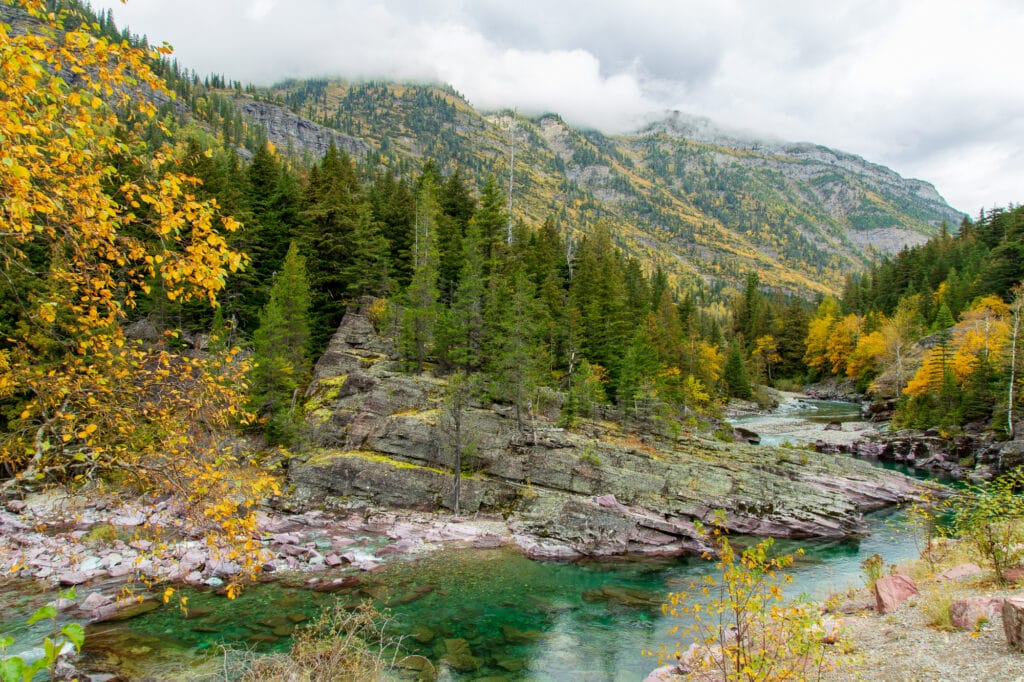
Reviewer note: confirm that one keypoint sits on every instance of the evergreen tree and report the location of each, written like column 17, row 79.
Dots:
column 393, row 206
column 517, row 361
column 367, row 271
column 422, row 308
column 333, row 212
column 280, row 366
column 735, row 374
column 492, row 220
column 463, row 334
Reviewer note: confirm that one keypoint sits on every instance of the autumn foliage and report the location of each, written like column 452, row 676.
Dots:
column 91, row 221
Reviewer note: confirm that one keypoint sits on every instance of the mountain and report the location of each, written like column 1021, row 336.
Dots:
column 705, row 204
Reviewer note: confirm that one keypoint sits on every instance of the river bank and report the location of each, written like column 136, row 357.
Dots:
column 548, row 621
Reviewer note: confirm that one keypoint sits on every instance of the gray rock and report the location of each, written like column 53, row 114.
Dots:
column 566, row 494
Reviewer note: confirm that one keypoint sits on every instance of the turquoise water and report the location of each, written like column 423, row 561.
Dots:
column 520, row 619
column 508, row 617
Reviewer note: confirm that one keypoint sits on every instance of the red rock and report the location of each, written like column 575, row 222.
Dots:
column 95, row 601
column 1014, row 575
column 121, row 570
column 967, row 613
column 610, row 502
column 893, row 590
column 73, row 578
column 959, row 572
column 1013, row 622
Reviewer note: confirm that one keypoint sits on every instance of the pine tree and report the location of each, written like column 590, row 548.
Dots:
column 422, row 309
column 735, row 374
column 280, row 365
column 492, row 220
column 367, row 271
column 518, row 361
column 333, row 210
column 464, row 322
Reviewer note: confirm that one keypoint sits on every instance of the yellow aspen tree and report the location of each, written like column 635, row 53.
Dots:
column 818, row 331
column 87, row 403
column 842, row 340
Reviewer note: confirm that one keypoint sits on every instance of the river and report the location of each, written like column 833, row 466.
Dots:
column 520, row 618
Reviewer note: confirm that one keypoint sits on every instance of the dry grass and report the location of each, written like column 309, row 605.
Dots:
column 342, row 644
column 934, row 605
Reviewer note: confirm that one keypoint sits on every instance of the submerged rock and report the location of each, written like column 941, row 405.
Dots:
column 459, row 656
column 623, row 595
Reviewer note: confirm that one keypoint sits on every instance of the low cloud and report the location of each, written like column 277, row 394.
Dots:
column 927, row 88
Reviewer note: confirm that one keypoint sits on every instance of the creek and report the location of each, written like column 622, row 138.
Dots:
column 510, row 617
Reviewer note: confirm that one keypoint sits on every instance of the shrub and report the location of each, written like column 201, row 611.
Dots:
column 924, row 519
column 743, row 626
column 871, row 567
column 935, row 606
column 990, row 518
column 17, row 669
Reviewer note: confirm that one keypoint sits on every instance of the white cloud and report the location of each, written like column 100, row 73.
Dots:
column 925, row 87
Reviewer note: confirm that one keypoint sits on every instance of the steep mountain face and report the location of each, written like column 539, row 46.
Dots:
column 706, row 205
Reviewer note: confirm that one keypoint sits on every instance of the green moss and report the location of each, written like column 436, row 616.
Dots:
column 327, row 391
column 321, row 457
column 426, row 416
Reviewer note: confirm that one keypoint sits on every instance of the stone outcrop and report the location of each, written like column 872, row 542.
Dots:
column 379, row 439
column 288, row 130
column 973, row 454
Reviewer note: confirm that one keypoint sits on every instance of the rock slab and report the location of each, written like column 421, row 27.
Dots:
column 967, row 613
column 893, row 590
column 1013, row 622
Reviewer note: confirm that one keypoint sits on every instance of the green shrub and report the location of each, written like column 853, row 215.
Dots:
column 935, row 606
column 990, row 518
column 17, row 669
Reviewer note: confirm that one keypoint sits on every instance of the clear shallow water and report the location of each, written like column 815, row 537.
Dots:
column 789, row 422
column 520, row 618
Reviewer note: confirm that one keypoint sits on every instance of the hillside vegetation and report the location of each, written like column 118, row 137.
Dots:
column 704, row 205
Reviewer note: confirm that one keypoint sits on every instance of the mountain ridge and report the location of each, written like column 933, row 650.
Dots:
column 705, row 205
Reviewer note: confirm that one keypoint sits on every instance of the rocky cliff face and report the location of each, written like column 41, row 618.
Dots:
column 290, row 131
column 379, row 439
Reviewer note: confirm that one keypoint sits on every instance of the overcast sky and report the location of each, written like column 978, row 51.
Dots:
column 931, row 88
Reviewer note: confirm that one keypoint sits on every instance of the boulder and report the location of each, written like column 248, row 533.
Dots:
column 95, row 601
column 959, row 572
column 1013, row 622
column 1014, row 575
column 893, row 590
column 967, row 613
column 666, row 673
column 746, row 435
